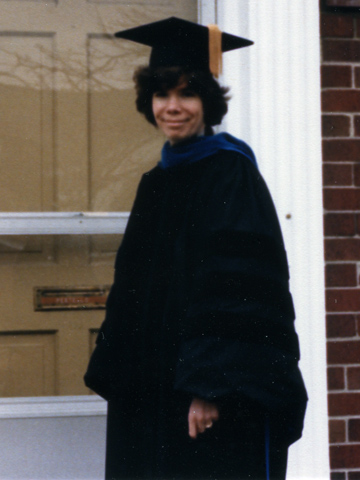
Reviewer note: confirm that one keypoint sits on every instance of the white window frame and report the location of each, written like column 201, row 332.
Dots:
column 63, row 223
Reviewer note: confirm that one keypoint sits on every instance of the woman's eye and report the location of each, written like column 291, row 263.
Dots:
column 189, row 93
column 160, row 94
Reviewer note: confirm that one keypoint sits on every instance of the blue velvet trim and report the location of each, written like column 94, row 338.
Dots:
column 200, row 147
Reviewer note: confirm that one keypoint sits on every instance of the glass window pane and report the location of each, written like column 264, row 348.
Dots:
column 70, row 141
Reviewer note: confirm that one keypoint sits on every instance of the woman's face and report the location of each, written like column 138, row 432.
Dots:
column 178, row 113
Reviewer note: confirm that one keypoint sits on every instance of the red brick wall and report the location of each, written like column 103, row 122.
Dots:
column 340, row 73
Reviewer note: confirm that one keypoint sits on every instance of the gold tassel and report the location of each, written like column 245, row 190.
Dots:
column 215, row 51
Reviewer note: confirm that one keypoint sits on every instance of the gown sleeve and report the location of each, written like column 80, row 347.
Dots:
column 238, row 337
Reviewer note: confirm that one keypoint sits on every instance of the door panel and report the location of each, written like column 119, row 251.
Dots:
column 27, row 364
column 27, row 127
column 70, row 140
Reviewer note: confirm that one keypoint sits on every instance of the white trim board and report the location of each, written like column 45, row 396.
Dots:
column 45, row 407
column 63, row 223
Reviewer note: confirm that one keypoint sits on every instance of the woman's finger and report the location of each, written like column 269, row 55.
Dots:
column 201, row 416
column 192, row 420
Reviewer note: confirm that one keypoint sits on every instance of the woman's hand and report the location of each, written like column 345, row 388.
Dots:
column 201, row 416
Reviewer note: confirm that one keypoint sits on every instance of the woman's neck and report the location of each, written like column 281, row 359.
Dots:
column 184, row 141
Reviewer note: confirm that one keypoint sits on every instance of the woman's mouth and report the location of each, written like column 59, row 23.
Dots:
column 175, row 123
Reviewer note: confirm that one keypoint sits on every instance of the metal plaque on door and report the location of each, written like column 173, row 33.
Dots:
column 70, row 298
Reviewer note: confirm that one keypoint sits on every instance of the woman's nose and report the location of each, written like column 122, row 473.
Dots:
column 173, row 103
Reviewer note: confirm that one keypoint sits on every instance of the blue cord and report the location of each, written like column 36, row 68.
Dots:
column 267, row 448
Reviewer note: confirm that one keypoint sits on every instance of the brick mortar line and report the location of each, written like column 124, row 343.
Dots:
column 350, row 137
column 342, row 444
column 340, row 262
column 343, row 187
column 343, row 339
column 343, row 392
column 333, row 114
column 353, row 76
column 341, row 39
column 344, row 365
column 342, row 237
column 356, row 312
column 339, row 63
column 342, row 287
column 336, row 114
column 339, row 212
column 350, row 443
column 344, row 417
column 341, row 89
column 340, row 339
column 344, row 470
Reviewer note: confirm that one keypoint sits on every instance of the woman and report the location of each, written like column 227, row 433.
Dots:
column 198, row 355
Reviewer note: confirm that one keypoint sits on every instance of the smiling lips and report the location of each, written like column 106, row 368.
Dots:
column 175, row 123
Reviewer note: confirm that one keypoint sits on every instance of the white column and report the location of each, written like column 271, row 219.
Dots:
column 207, row 12
column 276, row 109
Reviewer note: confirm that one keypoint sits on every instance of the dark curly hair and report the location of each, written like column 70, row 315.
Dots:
column 214, row 97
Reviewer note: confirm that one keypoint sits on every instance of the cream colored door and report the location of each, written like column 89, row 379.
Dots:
column 70, row 140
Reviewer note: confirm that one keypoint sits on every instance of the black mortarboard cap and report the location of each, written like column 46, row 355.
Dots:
column 178, row 42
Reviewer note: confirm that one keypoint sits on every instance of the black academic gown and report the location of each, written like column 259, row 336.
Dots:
column 200, row 307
